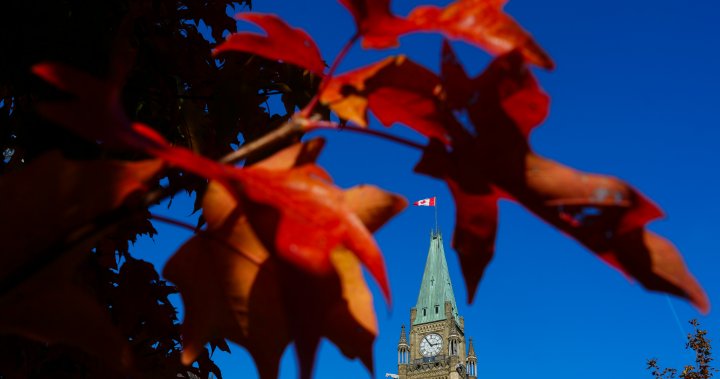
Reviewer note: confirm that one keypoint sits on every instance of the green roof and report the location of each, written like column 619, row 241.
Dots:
column 436, row 287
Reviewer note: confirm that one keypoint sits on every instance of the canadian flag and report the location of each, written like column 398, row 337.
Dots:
column 430, row 202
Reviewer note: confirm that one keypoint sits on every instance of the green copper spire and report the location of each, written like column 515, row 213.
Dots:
column 436, row 287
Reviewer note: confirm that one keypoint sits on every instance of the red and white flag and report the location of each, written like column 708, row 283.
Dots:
column 430, row 202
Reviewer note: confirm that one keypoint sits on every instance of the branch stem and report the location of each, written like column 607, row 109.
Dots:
column 328, row 125
column 293, row 127
column 307, row 111
column 172, row 221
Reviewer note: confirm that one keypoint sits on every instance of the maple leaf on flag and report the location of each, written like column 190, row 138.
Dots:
column 603, row 213
column 248, row 293
column 283, row 43
column 429, row 202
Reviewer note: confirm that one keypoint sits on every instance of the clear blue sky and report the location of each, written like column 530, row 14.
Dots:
column 635, row 95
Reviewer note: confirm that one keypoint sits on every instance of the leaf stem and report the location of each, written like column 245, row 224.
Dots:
column 329, row 125
column 171, row 221
column 307, row 111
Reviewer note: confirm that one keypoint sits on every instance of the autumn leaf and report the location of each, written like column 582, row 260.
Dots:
column 258, row 299
column 95, row 113
column 300, row 216
column 482, row 23
column 283, row 43
column 52, row 307
column 603, row 213
column 479, row 22
column 376, row 24
column 395, row 89
column 41, row 297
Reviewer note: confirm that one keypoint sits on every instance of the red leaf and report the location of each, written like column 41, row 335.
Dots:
column 283, row 43
column 479, row 22
column 483, row 23
column 94, row 114
column 395, row 89
column 248, row 294
column 303, row 218
column 52, row 201
column 97, row 115
column 603, row 213
column 376, row 24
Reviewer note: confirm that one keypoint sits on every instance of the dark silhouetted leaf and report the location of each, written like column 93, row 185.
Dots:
column 603, row 213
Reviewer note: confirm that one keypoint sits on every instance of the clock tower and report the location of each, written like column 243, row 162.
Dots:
column 435, row 347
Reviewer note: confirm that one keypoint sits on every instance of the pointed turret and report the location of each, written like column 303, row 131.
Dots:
column 403, row 336
column 471, row 366
column 436, row 288
column 403, row 350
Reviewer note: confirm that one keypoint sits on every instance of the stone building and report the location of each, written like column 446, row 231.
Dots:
column 435, row 347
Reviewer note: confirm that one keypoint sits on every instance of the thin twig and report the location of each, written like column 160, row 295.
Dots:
column 172, row 221
column 328, row 125
column 307, row 111
column 291, row 128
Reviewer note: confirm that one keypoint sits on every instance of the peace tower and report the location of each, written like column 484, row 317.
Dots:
column 435, row 348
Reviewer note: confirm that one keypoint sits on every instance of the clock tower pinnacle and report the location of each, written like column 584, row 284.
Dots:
column 435, row 347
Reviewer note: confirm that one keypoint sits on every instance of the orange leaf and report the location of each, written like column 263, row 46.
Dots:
column 603, row 213
column 283, row 43
column 263, row 304
column 483, row 23
column 48, row 305
column 395, row 90
column 302, row 217
column 255, row 298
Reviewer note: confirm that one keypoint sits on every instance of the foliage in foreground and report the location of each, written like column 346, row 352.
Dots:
column 700, row 369
column 159, row 101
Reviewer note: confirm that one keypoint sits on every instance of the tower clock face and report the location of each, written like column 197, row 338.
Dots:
column 431, row 345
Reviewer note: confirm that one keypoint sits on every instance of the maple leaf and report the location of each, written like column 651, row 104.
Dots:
column 482, row 23
column 395, row 89
column 255, row 298
column 283, row 43
column 299, row 215
column 48, row 304
column 377, row 25
column 603, row 213
column 95, row 113
column 479, row 22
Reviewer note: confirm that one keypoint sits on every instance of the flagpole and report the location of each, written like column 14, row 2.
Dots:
column 436, row 224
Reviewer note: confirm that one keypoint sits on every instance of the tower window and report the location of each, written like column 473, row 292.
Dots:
column 424, row 311
column 437, row 309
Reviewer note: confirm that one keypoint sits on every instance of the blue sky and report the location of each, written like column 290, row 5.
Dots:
column 634, row 95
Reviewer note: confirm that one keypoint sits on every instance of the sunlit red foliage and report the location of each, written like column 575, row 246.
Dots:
column 279, row 235
column 395, row 90
column 282, row 42
column 603, row 213
column 252, row 296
